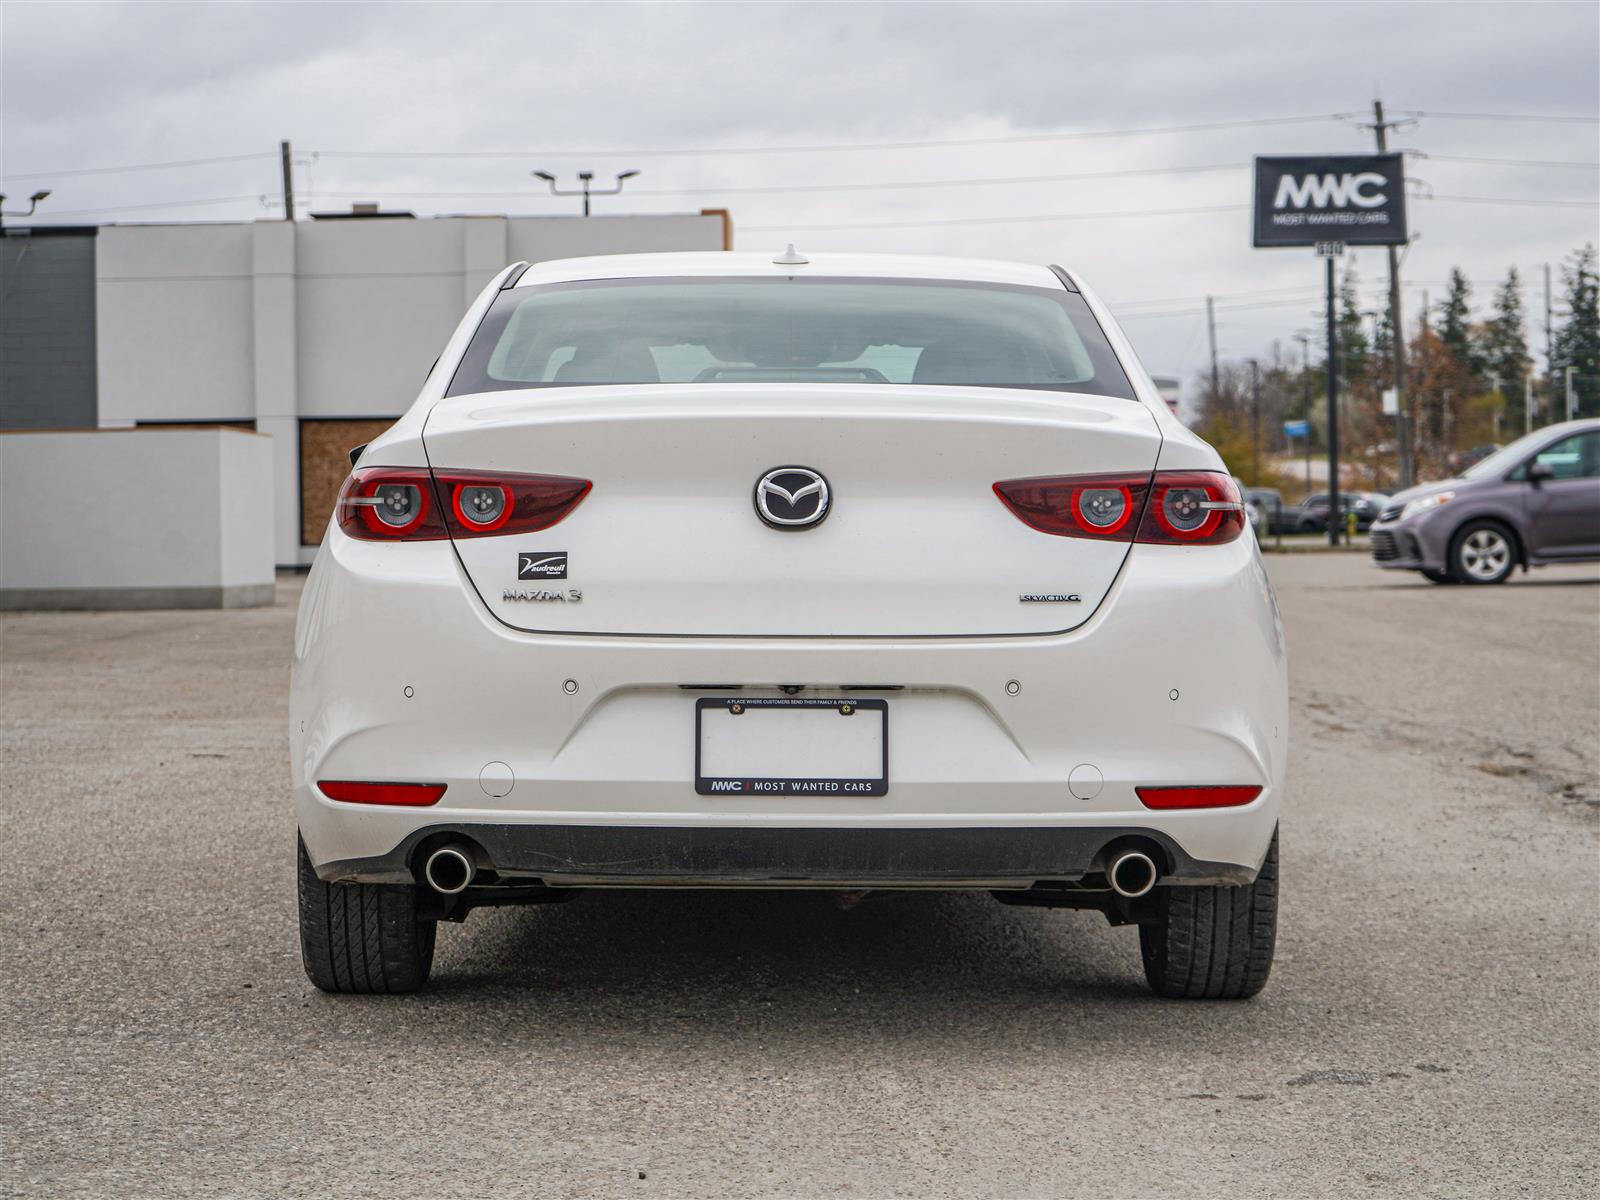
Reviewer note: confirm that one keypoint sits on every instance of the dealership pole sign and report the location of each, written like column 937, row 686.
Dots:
column 1303, row 199
column 1331, row 201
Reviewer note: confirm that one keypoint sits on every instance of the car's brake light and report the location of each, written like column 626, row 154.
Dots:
column 408, row 795
column 1196, row 797
column 1193, row 507
column 390, row 504
column 1170, row 507
column 1084, row 506
column 411, row 504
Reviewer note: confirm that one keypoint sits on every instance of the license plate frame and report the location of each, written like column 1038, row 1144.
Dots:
column 789, row 785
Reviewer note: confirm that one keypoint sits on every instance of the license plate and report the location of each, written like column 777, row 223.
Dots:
column 791, row 747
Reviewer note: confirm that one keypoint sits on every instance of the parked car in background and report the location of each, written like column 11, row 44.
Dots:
column 1534, row 502
column 1311, row 515
column 1270, row 510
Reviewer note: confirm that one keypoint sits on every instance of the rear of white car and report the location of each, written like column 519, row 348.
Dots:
column 715, row 571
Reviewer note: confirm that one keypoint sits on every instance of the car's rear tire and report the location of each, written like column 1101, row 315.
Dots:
column 1433, row 576
column 362, row 937
column 1214, row 943
column 1483, row 552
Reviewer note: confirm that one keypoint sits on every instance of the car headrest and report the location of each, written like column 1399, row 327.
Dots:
column 627, row 363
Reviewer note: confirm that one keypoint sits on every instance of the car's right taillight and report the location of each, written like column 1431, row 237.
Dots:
column 413, row 505
column 1175, row 508
column 1189, row 508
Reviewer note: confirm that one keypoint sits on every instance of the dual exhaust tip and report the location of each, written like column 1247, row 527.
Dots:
column 450, row 869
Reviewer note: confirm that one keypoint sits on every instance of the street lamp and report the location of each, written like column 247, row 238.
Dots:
column 33, row 203
column 585, row 189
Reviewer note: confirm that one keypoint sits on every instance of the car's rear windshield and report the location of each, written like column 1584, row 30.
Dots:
column 789, row 330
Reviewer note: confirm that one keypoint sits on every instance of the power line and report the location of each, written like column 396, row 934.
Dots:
column 1089, row 216
column 115, row 208
column 1021, row 219
column 1505, row 162
column 1006, row 140
column 1557, row 118
column 1513, row 200
column 1119, row 305
column 824, row 187
column 1148, row 212
column 1369, row 291
column 155, row 166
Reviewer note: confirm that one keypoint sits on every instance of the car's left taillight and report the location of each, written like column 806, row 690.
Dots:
column 415, row 505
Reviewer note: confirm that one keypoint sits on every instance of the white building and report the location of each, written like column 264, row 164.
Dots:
column 316, row 332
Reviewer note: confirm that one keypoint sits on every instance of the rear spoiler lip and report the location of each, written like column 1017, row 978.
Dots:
column 1061, row 274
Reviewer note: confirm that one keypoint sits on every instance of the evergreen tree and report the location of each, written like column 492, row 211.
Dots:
column 1577, row 340
column 1503, row 349
column 1455, row 321
column 1352, row 334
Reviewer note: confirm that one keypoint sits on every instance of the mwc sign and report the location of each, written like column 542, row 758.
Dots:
column 1359, row 199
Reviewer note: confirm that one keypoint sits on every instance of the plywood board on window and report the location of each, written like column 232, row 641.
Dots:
column 324, row 462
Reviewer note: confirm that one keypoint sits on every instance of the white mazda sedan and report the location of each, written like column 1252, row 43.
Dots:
column 739, row 571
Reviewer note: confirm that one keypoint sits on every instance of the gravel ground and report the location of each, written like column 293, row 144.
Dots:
column 1430, row 1028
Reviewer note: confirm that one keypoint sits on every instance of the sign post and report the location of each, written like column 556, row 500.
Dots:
column 1330, row 201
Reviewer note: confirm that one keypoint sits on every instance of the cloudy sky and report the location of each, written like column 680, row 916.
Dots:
column 1085, row 134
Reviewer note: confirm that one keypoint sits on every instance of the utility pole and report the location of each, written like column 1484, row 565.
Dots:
column 1572, row 396
column 1211, row 328
column 1305, row 398
column 1549, row 347
column 1255, row 423
column 1527, row 403
column 284, row 158
column 1397, row 323
column 1330, row 252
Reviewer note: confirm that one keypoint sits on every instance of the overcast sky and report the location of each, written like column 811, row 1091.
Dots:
column 88, row 86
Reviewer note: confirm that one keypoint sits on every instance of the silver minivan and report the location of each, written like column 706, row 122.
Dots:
column 1533, row 503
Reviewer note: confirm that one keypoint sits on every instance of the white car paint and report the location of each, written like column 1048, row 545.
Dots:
column 1170, row 671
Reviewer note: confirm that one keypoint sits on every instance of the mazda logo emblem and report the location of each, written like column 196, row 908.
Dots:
column 792, row 497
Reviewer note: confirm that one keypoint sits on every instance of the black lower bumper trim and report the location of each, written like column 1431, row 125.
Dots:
column 644, row 855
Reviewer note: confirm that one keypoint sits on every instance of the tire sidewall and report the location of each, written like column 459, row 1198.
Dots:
column 1458, row 541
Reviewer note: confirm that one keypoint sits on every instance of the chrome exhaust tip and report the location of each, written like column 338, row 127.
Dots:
column 449, row 869
column 1132, row 874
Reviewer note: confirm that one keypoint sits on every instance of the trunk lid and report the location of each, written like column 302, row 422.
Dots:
column 915, row 543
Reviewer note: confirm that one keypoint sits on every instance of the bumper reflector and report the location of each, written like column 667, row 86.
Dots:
column 1196, row 797
column 410, row 795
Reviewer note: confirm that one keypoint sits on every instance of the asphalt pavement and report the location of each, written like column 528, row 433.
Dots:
column 1430, row 1028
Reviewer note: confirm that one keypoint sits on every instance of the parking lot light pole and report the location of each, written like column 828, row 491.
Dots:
column 585, row 186
column 33, row 203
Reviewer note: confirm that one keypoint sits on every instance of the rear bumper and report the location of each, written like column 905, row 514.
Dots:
column 657, row 856
column 1009, row 757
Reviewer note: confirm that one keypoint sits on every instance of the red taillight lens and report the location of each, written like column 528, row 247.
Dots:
column 1196, row 797
column 1193, row 507
column 410, row 504
column 1170, row 507
column 483, row 503
column 407, row 795
column 390, row 504
column 1083, row 506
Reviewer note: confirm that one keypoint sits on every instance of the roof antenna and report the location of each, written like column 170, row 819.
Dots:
column 789, row 258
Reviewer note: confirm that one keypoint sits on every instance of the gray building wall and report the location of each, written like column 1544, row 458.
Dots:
column 47, row 329
column 282, row 323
